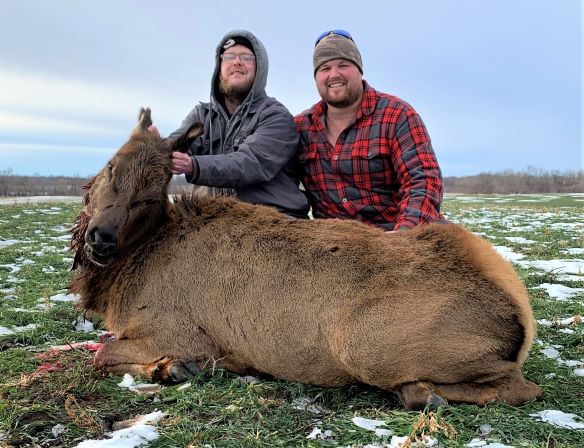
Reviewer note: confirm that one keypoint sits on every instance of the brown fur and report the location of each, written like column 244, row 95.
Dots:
column 430, row 312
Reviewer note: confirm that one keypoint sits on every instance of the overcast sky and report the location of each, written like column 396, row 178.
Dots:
column 498, row 83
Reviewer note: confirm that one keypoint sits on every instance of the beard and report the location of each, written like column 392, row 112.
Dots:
column 237, row 92
column 351, row 94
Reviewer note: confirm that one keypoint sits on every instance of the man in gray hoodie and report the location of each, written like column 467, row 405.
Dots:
column 249, row 141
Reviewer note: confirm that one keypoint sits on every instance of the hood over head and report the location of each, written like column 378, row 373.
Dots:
column 261, row 76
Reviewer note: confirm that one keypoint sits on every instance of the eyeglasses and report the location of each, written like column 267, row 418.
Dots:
column 246, row 58
column 337, row 32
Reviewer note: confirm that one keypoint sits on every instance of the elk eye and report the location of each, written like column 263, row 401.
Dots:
column 137, row 204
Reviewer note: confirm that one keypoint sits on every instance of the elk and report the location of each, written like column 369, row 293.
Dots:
column 433, row 314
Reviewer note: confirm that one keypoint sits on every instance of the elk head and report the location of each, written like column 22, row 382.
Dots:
column 129, row 197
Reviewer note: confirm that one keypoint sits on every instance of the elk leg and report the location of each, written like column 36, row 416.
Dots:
column 512, row 389
column 416, row 396
column 133, row 357
column 164, row 370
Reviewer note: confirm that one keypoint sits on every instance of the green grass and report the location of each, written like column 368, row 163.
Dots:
column 219, row 410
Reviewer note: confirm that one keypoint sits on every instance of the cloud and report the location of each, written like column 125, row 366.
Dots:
column 37, row 101
column 15, row 122
column 50, row 94
column 10, row 148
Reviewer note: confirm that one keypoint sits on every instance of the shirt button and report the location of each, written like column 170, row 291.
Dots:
column 345, row 199
column 338, row 178
column 336, row 157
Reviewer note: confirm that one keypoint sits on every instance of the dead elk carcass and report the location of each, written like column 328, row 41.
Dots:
column 433, row 313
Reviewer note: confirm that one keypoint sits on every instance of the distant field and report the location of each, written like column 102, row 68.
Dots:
column 50, row 396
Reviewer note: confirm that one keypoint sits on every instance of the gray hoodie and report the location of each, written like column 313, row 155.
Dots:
column 250, row 154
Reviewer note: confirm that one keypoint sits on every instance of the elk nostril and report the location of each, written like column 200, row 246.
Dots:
column 104, row 237
column 90, row 235
column 101, row 237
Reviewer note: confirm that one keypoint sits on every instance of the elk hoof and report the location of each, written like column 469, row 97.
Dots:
column 435, row 401
column 181, row 371
column 175, row 371
column 420, row 395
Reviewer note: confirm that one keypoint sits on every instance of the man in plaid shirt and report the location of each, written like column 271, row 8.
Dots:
column 364, row 154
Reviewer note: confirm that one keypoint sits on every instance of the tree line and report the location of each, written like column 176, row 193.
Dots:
column 532, row 180
column 15, row 185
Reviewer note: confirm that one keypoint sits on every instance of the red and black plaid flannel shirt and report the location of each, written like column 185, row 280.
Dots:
column 382, row 170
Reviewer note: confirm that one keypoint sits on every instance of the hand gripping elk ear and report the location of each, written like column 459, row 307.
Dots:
column 433, row 313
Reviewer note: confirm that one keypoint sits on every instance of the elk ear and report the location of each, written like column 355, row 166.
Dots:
column 144, row 121
column 183, row 143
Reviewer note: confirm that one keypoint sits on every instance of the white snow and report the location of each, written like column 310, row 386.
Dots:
column 559, row 292
column 35, row 199
column 57, row 430
column 4, row 330
column 575, row 250
column 508, row 253
column 371, row 425
column 559, row 418
column 568, row 226
column 573, row 266
column 550, row 352
column 317, row 433
column 474, row 443
column 83, row 325
column 559, row 323
column 6, row 243
column 63, row 298
column 519, row 239
column 137, row 434
column 127, row 381
column 143, row 388
column 13, row 267
column 62, row 238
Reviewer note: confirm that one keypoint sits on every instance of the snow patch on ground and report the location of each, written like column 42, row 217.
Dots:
column 138, row 433
column 83, row 325
column 559, row 292
column 5, row 331
column 508, row 253
column 371, row 425
column 475, row 443
column 6, row 243
column 519, row 239
column 64, row 298
column 559, row 418
column 575, row 250
column 573, row 266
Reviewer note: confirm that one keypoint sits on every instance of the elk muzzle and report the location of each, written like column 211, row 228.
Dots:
column 101, row 244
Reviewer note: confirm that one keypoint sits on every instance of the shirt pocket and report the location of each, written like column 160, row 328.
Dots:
column 206, row 146
column 371, row 167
